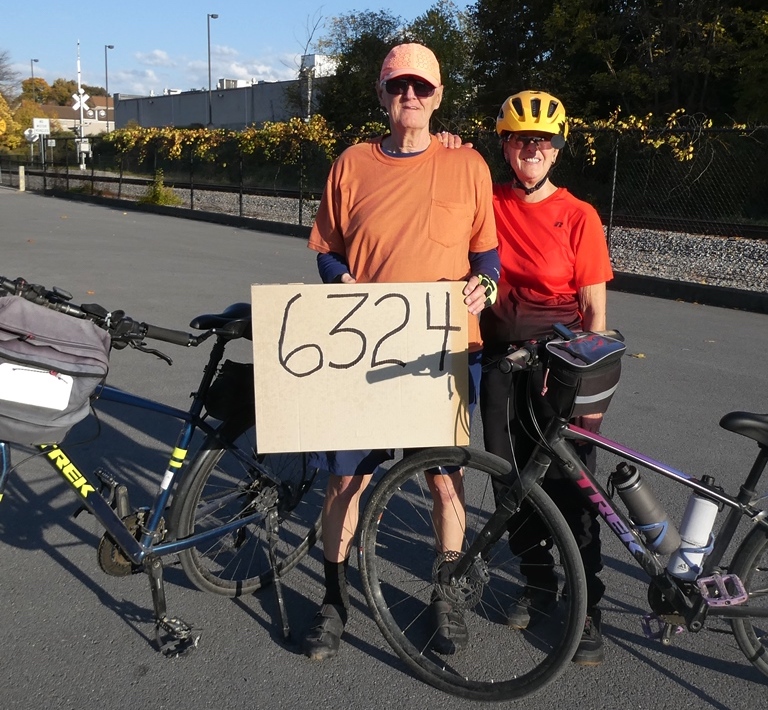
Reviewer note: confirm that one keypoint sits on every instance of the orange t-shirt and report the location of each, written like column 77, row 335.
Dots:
column 407, row 219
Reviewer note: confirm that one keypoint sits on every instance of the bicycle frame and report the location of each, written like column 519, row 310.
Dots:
column 138, row 534
column 739, row 506
column 87, row 487
column 558, row 437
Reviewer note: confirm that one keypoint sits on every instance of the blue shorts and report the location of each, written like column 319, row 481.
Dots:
column 361, row 462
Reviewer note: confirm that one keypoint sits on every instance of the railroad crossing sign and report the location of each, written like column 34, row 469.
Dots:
column 80, row 101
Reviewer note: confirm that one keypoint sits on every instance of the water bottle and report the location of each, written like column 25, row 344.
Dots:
column 646, row 512
column 696, row 534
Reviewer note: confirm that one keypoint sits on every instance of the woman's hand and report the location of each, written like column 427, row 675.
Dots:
column 451, row 140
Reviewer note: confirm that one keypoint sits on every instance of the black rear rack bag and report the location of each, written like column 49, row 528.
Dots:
column 50, row 365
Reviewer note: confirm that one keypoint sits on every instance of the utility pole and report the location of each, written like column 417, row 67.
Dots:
column 210, row 17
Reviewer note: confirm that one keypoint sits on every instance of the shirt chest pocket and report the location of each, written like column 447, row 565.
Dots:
column 450, row 223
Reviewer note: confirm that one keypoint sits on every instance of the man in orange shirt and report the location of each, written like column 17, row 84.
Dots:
column 401, row 208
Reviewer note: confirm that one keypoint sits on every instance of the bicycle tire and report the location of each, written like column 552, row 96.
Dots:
column 397, row 553
column 750, row 564
column 219, row 487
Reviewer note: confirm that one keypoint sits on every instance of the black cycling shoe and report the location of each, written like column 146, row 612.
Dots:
column 323, row 638
column 590, row 651
column 533, row 606
column 451, row 634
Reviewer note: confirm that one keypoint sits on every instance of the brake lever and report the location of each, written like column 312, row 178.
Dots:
column 150, row 351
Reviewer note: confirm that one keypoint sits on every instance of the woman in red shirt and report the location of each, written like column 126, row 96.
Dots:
column 554, row 268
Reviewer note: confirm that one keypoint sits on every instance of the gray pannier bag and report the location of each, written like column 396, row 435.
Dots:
column 50, row 365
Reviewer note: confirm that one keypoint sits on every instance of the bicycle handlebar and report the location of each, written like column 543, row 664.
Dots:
column 525, row 356
column 177, row 337
column 122, row 329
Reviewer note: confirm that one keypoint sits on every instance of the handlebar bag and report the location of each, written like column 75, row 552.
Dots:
column 582, row 374
column 50, row 365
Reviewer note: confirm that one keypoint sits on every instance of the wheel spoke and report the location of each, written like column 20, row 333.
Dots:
column 226, row 486
column 402, row 579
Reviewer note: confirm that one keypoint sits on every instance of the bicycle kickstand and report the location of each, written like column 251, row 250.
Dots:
column 273, row 536
column 174, row 637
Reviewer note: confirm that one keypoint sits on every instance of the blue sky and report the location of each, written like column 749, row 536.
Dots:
column 163, row 44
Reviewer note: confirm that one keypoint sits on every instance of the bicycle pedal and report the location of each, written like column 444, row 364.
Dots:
column 658, row 629
column 174, row 637
column 722, row 590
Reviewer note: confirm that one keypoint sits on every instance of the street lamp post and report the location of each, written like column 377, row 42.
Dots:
column 106, row 78
column 210, row 17
column 32, row 68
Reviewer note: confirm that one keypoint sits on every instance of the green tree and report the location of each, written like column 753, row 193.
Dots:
column 449, row 34
column 649, row 56
column 38, row 91
column 62, row 90
column 359, row 41
column 94, row 90
column 593, row 63
column 511, row 52
column 750, row 28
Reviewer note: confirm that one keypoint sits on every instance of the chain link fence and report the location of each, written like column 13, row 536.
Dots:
column 721, row 189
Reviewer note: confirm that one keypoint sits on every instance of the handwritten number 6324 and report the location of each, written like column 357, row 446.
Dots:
column 360, row 299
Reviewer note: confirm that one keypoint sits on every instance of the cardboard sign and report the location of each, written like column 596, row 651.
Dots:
column 360, row 366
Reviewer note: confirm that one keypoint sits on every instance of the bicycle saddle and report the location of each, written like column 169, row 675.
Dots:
column 235, row 312
column 753, row 426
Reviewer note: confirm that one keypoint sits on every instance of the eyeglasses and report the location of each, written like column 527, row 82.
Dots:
column 397, row 87
column 540, row 142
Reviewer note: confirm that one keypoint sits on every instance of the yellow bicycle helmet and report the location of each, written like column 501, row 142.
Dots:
column 534, row 111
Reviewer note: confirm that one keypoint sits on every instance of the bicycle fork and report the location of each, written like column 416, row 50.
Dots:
column 507, row 503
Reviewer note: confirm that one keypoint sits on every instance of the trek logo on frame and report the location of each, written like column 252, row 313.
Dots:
column 68, row 469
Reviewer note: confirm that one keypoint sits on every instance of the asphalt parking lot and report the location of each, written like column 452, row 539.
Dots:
column 75, row 638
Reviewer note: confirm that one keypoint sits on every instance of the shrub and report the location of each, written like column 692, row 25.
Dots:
column 158, row 194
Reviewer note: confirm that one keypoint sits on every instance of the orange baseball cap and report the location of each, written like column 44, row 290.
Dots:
column 411, row 60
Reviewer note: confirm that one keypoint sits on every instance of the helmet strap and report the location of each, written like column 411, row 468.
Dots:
column 528, row 190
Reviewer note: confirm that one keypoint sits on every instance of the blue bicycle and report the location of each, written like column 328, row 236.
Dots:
column 236, row 519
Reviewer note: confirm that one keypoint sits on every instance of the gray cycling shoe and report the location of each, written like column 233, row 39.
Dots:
column 323, row 638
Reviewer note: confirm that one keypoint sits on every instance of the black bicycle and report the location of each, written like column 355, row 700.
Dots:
column 237, row 520
column 402, row 574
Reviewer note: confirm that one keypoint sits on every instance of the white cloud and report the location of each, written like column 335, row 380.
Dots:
column 223, row 51
column 155, row 58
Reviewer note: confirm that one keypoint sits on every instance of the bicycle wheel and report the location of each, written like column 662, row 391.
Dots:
column 397, row 550
column 750, row 564
column 229, row 481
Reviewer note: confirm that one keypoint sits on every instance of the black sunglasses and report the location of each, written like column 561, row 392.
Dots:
column 397, row 87
column 541, row 142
